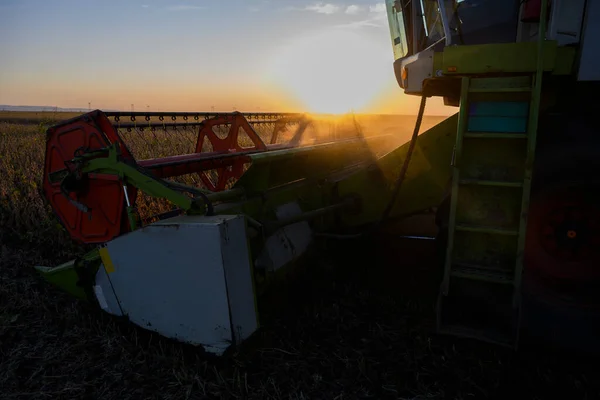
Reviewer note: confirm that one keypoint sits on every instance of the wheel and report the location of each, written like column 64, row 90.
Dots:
column 561, row 279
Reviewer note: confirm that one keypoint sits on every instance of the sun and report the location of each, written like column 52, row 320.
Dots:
column 333, row 71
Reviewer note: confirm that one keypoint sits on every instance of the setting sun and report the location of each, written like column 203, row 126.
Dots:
column 333, row 71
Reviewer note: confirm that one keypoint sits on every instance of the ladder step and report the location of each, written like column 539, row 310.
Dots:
column 482, row 273
column 501, row 84
column 486, row 335
column 494, row 135
column 500, row 89
column 482, row 182
column 487, row 229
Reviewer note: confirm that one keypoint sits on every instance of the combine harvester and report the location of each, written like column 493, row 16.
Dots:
column 512, row 176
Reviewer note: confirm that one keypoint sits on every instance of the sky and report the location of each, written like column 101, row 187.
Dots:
column 193, row 55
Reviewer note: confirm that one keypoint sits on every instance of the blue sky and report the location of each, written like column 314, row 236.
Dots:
column 194, row 54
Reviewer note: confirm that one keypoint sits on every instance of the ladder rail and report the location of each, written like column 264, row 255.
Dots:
column 531, row 146
column 461, row 128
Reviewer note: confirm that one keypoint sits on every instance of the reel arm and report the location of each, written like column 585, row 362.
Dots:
column 106, row 164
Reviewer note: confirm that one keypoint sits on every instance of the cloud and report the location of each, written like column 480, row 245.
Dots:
column 377, row 11
column 185, row 8
column 321, row 8
column 377, row 8
column 368, row 23
column 353, row 9
column 375, row 17
column 145, row 6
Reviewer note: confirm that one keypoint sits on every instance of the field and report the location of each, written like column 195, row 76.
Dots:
column 344, row 334
column 32, row 117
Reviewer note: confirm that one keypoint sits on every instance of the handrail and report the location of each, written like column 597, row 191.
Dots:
column 445, row 22
column 532, row 137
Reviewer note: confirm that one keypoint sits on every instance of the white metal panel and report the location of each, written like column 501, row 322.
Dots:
column 589, row 63
column 169, row 277
column 238, row 274
column 299, row 234
column 287, row 243
column 565, row 24
column 105, row 293
column 419, row 67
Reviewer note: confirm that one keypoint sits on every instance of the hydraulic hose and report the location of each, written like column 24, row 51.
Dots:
column 397, row 185
column 411, row 148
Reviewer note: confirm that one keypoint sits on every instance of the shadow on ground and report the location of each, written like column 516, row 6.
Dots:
column 355, row 325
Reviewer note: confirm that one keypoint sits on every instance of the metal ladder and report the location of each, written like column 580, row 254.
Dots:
column 492, row 169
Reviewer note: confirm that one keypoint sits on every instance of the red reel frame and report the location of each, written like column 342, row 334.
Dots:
column 105, row 200
column 106, row 218
column 229, row 144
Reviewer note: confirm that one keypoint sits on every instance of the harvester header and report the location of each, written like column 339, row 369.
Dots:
column 92, row 201
column 147, row 191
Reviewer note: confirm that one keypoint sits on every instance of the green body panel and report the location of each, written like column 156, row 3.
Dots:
column 506, row 58
column 564, row 62
column 425, row 183
column 306, row 175
column 274, row 168
column 63, row 276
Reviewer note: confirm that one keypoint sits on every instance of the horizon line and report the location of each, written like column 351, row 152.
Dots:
column 83, row 110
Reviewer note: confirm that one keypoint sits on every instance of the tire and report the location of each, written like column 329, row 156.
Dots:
column 561, row 292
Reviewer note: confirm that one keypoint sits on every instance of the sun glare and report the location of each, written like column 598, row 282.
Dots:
column 334, row 71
